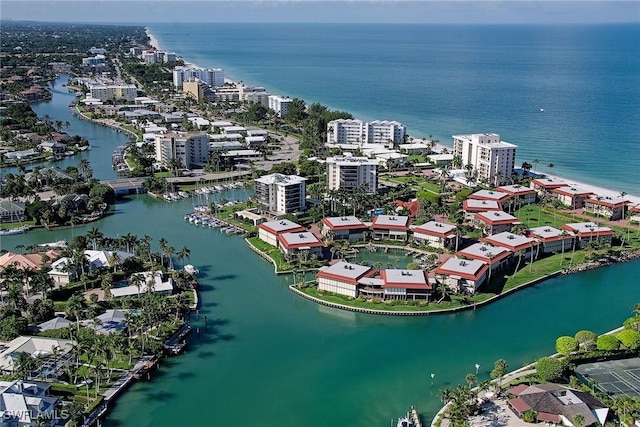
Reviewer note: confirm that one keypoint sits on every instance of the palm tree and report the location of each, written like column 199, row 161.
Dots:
column 535, row 164
column 163, row 248
column 471, row 379
column 85, row 169
column 183, row 253
column 94, row 235
column 170, row 251
column 519, row 254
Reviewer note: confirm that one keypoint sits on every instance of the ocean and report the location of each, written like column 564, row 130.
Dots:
column 442, row 80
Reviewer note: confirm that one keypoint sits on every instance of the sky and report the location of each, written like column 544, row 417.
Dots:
column 338, row 11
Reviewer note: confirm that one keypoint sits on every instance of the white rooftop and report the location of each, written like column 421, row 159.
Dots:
column 300, row 238
column 488, row 194
column 440, row 157
column 344, row 221
column 587, row 227
column 401, row 276
column 435, row 227
column 463, row 266
column 575, row 190
column 482, row 249
column 280, row 179
column 350, row 161
column 280, row 225
column 514, row 188
column 347, row 270
column 510, row 239
column 391, row 220
column 482, row 204
column 152, row 281
column 497, row 216
column 546, row 232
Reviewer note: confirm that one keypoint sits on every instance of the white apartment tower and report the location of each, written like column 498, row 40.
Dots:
column 281, row 194
column 279, row 104
column 191, row 148
column 213, row 77
column 351, row 131
column 350, row 172
column 492, row 159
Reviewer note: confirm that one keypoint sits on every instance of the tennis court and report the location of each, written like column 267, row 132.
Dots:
column 616, row 378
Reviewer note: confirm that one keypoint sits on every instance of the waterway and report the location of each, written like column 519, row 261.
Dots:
column 270, row 358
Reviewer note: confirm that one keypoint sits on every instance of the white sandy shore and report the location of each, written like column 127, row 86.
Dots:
column 600, row 191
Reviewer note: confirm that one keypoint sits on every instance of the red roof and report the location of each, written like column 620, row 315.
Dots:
column 519, row 405
column 552, row 418
column 413, row 207
column 517, row 389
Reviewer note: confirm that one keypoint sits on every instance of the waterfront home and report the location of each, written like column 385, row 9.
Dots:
column 494, row 222
column 497, row 196
column 462, row 275
column 546, row 185
column 26, row 403
column 147, row 281
column 26, row 261
column 11, row 211
column 436, row 234
column 610, row 208
column 552, row 240
column 586, row 232
column 573, row 197
column 634, row 214
column 62, row 272
column 33, row 346
column 291, row 244
column 106, row 259
column 343, row 278
column 390, row 227
column 269, row 231
column 553, row 403
column 108, row 322
column 55, row 323
column 520, row 195
column 494, row 256
column 343, row 228
column 398, row 284
column 473, row 206
column 514, row 242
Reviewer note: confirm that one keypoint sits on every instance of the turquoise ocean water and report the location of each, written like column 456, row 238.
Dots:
column 447, row 79
column 269, row 358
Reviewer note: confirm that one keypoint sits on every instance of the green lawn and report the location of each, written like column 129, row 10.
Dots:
column 418, row 182
column 271, row 251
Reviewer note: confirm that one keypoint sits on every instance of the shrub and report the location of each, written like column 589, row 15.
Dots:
column 549, row 368
column 566, row 345
column 587, row 339
column 607, row 342
column 529, row 416
column 632, row 323
column 629, row 339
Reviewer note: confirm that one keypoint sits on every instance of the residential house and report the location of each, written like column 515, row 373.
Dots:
column 292, row 244
column 390, row 227
column 586, row 232
column 269, row 231
column 495, row 222
column 436, row 234
column 462, row 275
column 343, row 228
column 33, row 346
column 398, row 284
column 546, row 185
column 574, row 197
column 343, row 278
column 11, row 211
column 495, row 256
column 474, row 206
column 27, row 403
column 528, row 246
column 552, row 240
column 610, row 208
column 520, row 195
column 148, row 281
column 558, row 405
column 108, row 322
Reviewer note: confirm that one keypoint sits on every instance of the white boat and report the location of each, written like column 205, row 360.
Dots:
column 191, row 270
column 11, row 231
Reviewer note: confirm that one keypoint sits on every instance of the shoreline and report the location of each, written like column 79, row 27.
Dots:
column 634, row 198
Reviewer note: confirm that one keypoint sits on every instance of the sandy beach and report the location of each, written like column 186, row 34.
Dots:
column 153, row 40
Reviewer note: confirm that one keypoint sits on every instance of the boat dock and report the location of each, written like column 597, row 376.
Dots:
column 176, row 344
column 96, row 416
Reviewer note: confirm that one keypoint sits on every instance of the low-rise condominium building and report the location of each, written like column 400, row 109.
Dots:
column 462, row 275
column 343, row 278
column 269, row 231
column 390, row 227
column 343, row 228
column 436, row 234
